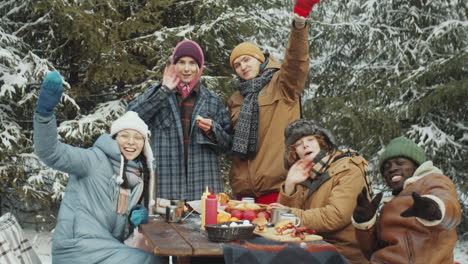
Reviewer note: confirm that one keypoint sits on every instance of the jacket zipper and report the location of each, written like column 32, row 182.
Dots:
column 409, row 247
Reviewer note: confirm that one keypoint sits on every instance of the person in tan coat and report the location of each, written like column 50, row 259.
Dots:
column 417, row 223
column 266, row 101
column 322, row 185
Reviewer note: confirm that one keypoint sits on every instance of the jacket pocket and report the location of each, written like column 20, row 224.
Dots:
column 265, row 100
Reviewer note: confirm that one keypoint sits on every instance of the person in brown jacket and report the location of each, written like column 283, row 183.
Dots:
column 417, row 224
column 266, row 101
column 322, row 185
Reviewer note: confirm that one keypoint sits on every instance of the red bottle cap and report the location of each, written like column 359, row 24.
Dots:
column 212, row 196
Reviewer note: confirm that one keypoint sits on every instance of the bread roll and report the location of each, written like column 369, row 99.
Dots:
column 222, row 198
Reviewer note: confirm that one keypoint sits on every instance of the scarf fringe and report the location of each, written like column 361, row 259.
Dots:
column 124, row 195
column 119, row 177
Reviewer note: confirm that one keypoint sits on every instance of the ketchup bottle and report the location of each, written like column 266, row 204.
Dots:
column 211, row 209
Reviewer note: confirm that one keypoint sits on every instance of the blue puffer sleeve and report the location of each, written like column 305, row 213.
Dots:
column 55, row 154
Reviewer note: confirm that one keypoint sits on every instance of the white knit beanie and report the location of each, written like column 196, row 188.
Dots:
column 131, row 120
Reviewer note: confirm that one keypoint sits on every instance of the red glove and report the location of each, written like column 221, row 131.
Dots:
column 303, row 7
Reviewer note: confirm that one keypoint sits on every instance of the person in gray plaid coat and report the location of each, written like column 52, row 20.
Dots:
column 190, row 127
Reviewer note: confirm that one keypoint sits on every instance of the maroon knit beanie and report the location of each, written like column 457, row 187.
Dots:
column 188, row 48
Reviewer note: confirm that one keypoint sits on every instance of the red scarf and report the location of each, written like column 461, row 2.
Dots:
column 185, row 89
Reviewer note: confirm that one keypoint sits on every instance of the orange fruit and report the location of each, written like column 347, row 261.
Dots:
column 234, row 219
column 223, row 218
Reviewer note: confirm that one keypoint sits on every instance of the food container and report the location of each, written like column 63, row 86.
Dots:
column 216, row 233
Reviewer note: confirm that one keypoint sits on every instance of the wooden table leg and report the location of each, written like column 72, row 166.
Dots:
column 183, row 260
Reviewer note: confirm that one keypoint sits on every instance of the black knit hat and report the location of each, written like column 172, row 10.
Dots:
column 301, row 128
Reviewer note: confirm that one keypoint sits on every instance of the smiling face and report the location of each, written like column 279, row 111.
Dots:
column 307, row 147
column 247, row 67
column 396, row 171
column 131, row 143
column 187, row 69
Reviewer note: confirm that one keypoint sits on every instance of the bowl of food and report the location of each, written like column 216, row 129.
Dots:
column 230, row 231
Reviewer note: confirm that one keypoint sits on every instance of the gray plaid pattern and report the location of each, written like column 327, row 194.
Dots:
column 14, row 246
column 159, row 109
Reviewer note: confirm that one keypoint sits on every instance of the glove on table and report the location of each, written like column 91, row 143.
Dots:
column 49, row 94
column 139, row 215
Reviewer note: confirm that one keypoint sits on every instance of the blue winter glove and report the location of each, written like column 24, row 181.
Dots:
column 50, row 93
column 139, row 215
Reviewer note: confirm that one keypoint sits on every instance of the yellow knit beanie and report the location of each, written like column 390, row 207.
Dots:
column 246, row 48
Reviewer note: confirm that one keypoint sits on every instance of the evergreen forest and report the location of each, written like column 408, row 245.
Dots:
column 378, row 69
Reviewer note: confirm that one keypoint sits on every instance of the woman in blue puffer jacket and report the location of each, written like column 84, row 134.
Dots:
column 107, row 182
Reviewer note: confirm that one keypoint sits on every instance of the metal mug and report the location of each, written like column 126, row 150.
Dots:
column 276, row 213
column 297, row 220
column 173, row 214
column 180, row 204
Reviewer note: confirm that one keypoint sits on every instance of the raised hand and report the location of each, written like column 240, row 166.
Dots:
column 302, row 8
column 49, row 94
column 298, row 173
column 274, row 205
column 366, row 209
column 170, row 78
column 424, row 208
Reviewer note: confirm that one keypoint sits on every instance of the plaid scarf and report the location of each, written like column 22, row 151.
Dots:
column 318, row 174
column 322, row 163
column 246, row 131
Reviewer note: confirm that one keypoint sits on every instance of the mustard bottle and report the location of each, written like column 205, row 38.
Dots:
column 203, row 208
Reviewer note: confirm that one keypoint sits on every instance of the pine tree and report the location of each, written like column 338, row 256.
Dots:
column 379, row 69
column 94, row 45
column 394, row 67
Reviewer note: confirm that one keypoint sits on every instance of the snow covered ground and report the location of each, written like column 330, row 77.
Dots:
column 42, row 242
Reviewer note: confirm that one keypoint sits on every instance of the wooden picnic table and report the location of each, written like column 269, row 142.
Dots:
column 183, row 240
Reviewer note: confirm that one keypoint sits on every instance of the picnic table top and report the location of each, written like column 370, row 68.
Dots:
column 179, row 239
column 186, row 240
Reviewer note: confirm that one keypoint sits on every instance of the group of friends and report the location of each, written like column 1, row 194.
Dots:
column 277, row 158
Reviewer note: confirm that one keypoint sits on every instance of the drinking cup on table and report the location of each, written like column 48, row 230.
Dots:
column 180, row 207
column 249, row 200
column 172, row 214
column 297, row 220
column 276, row 212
